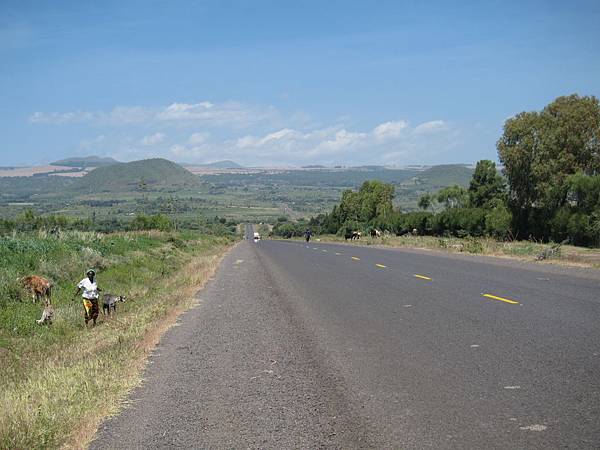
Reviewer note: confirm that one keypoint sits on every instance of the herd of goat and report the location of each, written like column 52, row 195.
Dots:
column 40, row 289
column 374, row 232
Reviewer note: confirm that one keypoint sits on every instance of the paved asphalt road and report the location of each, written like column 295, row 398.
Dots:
column 334, row 346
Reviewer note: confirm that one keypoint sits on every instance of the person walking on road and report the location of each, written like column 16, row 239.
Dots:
column 307, row 235
column 90, row 296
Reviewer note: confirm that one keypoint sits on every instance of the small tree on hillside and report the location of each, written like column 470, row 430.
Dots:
column 453, row 196
column 425, row 201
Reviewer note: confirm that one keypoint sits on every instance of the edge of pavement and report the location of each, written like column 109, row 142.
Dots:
column 504, row 260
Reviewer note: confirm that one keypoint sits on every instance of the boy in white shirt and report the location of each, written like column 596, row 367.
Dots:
column 90, row 296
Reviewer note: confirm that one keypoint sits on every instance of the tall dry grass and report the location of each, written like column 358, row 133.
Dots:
column 524, row 250
column 57, row 382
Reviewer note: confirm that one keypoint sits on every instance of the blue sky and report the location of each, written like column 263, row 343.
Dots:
column 284, row 83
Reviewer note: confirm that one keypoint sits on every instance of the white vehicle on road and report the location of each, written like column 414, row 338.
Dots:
column 256, row 236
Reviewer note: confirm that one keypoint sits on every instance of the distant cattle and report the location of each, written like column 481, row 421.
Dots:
column 352, row 235
column 39, row 288
column 375, row 232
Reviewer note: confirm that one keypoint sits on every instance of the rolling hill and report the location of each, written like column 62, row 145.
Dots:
column 157, row 174
column 437, row 177
column 85, row 161
column 223, row 165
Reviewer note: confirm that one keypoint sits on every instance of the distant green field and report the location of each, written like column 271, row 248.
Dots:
column 310, row 192
column 261, row 196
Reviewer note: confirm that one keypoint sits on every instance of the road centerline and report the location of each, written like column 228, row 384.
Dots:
column 502, row 299
column 422, row 277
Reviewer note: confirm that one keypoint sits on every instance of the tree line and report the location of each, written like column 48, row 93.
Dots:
column 30, row 221
column 549, row 189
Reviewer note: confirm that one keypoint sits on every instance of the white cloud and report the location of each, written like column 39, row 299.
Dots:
column 153, row 139
column 56, row 118
column 392, row 142
column 342, row 141
column 228, row 114
column 433, row 126
column 268, row 138
column 186, row 111
column 389, row 130
column 283, row 135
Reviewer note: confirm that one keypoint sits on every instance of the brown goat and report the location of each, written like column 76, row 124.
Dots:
column 39, row 288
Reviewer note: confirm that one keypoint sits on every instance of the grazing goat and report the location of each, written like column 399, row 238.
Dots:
column 47, row 315
column 353, row 235
column 375, row 232
column 39, row 288
column 552, row 251
column 109, row 301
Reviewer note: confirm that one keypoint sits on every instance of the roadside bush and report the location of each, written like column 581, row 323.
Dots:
column 460, row 222
column 497, row 222
column 158, row 222
column 289, row 230
column 420, row 221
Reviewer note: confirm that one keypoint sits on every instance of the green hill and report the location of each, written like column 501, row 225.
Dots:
column 86, row 161
column 157, row 174
column 437, row 177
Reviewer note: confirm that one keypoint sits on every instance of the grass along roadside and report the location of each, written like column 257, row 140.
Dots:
column 58, row 382
column 522, row 250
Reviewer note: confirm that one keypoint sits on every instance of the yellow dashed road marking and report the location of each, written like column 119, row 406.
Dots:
column 502, row 299
column 423, row 277
column 355, row 258
column 381, row 266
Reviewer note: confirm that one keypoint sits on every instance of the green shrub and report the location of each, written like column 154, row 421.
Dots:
column 498, row 221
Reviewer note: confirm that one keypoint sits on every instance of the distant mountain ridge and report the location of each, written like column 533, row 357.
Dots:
column 148, row 174
column 85, row 161
column 227, row 164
